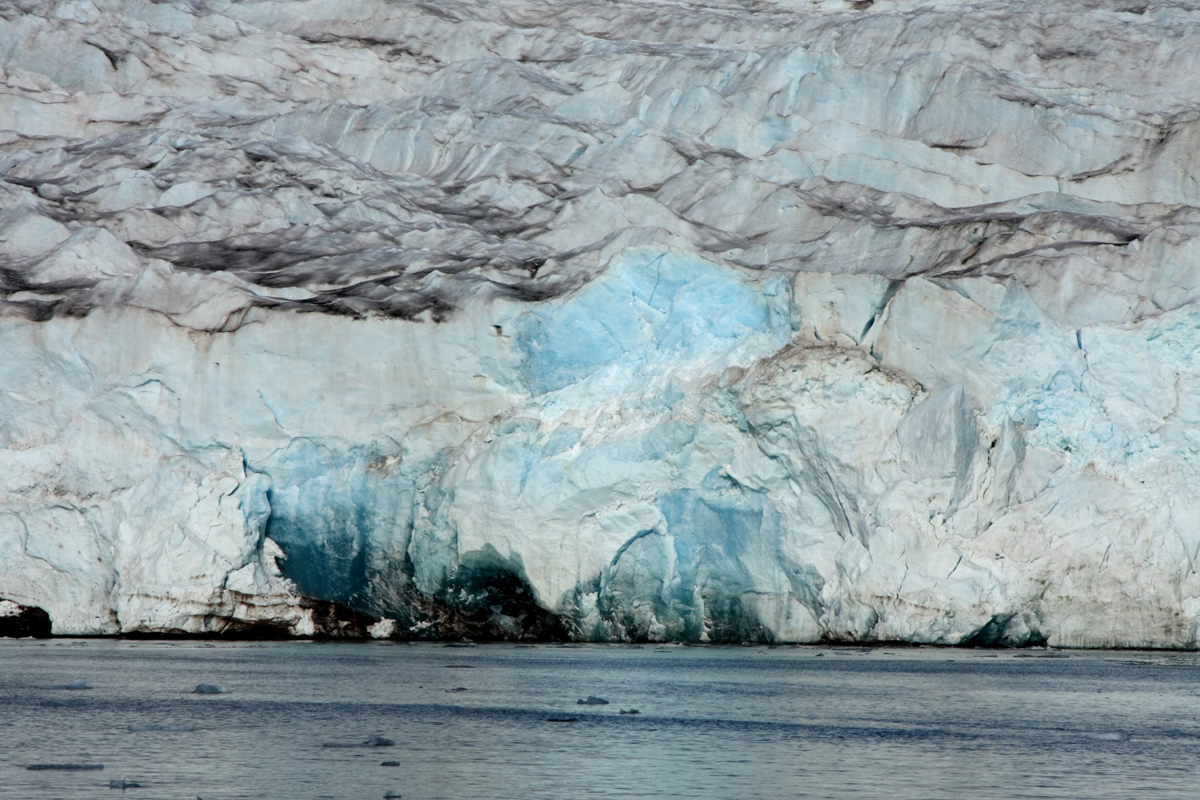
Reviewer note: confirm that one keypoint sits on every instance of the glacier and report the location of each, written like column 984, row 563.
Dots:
column 776, row 320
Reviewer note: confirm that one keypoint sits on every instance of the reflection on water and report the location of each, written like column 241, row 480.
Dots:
column 312, row 720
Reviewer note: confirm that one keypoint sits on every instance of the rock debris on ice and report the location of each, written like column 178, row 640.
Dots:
column 762, row 321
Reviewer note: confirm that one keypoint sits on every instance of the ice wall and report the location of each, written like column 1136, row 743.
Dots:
column 777, row 321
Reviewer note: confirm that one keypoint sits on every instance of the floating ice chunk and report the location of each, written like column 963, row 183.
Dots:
column 124, row 783
column 630, row 711
column 389, row 763
column 73, row 702
column 592, row 700
column 390, row 793
column 370, row 741
column 1108, row 736
column 207, row 688
column 463, row 643
column 78, row 683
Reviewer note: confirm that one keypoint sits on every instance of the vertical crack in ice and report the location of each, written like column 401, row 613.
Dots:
column 272, row 412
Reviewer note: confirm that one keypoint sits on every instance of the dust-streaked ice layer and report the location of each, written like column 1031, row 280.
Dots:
column 782, row 321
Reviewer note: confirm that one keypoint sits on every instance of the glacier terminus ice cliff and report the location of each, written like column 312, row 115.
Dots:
column 773, row 320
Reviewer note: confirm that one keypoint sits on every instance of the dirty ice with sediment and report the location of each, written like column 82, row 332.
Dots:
column 773, row 321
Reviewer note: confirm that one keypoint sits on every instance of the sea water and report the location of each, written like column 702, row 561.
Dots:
column 479, row 722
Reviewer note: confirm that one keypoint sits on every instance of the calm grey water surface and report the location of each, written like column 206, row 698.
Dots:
column 736, row 722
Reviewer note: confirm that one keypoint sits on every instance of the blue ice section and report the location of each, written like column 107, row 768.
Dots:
column 344, row 516
column 647, row 305
column 711, row 530
column 330, row 510
column 693, row 574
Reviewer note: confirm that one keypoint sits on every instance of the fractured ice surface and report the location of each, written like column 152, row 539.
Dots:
column 772, row 321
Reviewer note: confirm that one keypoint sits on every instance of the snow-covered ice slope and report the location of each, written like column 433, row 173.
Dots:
column 781, row 321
